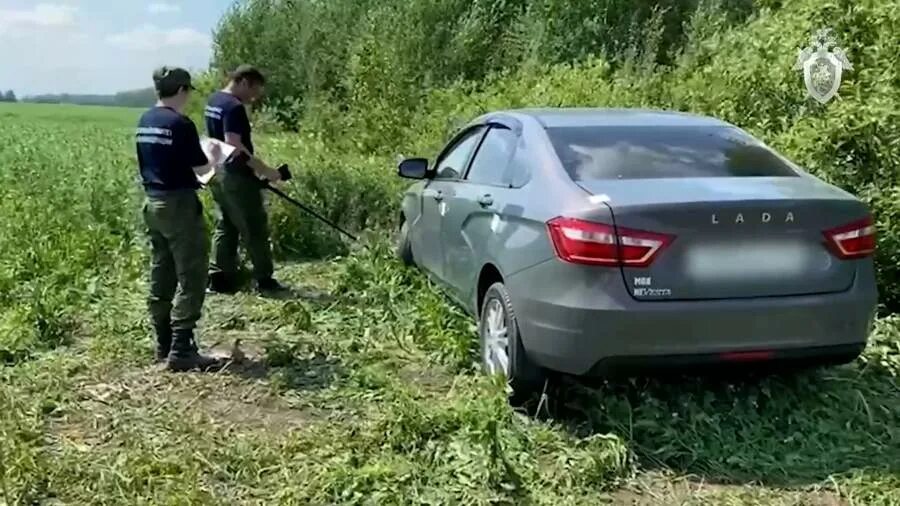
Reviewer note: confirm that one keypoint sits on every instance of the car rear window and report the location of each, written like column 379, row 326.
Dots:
column 650, row 152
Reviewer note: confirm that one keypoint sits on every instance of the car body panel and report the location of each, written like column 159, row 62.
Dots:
column 573, row 316
column 411, row 213
column 583, row 315
column 465, row 233
column 426, row 240
column 499, row 234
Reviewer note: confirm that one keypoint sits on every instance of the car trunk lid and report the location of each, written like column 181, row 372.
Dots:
column 732, row 237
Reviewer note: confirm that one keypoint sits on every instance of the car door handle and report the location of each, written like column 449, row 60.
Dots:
column 485, row 200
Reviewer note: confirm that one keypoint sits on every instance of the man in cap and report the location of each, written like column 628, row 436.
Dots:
column 169, row 158
column 241, row 212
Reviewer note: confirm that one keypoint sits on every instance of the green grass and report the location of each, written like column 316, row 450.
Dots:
column 117, row 116
column 362, row 390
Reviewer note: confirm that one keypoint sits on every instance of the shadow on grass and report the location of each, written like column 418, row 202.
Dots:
column 780, row 429
column 311, row 373
column 293, row 291
column 304, row 293
column 286, row 365
column 248, row 368
column 306, row 374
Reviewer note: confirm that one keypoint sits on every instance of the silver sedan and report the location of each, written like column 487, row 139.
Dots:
column 589, row 241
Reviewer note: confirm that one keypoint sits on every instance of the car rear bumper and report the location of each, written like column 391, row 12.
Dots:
column 581, row 328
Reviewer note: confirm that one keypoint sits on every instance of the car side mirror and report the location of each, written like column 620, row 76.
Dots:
column 413, row 168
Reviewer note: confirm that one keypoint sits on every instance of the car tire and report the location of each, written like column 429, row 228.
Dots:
column 523, row 376
column 403, row 248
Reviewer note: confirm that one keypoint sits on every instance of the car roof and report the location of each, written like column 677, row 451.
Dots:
column 597, row 116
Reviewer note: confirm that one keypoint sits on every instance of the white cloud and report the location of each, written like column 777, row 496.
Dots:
column 55, row 46
column 150, row 38
column 39, row 16
column 163, row 8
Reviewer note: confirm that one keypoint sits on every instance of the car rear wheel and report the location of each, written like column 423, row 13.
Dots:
column 501, row 347
column 403, row 248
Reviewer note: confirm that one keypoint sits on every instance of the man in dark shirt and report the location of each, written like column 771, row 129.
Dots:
column 241, row 212
column 169, row 158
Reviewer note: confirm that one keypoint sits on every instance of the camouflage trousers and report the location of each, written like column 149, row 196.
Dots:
column 179, row 256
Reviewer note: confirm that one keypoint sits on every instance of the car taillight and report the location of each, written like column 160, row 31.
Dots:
column 587, row 242
column 853, row 240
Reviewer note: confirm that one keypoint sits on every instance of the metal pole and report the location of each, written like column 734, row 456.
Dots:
column 281, row 194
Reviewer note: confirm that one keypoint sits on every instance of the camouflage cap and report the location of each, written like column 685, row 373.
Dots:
column 170, row 79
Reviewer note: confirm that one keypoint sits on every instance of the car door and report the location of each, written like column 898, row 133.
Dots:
column 475, row 209
column 449, row 168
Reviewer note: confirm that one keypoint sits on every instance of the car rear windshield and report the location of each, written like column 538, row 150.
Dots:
column 649, row 152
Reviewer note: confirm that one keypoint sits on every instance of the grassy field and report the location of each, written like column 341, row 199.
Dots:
column 361, row 390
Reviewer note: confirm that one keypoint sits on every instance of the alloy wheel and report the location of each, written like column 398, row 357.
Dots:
column 495, row 337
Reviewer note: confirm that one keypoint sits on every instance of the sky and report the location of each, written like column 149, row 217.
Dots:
column 101, row 46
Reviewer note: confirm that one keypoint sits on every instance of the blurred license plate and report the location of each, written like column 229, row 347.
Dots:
column 750, row 261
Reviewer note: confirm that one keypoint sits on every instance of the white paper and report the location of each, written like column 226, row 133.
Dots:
column 226, row 150
column 216, row 162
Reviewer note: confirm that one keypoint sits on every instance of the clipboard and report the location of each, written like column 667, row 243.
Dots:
column 216, row 163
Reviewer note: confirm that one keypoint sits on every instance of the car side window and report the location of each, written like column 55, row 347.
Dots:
column 453, row 164
column 492, row 158
column 519, row 170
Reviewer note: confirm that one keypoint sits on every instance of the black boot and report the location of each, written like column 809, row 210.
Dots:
column 163, row 341
column 185, row 356
column 220, row 282
column 270, row 285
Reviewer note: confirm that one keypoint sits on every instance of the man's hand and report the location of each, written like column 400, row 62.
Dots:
column 258, row 166
column 278, row 176
column 273, row 176
column 262, row 170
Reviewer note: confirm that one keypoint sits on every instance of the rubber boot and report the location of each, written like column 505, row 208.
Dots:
column 163, row 342
column 185, row 356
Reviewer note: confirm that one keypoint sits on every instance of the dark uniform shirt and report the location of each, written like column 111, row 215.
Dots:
column 225, row 113
column 168, row 149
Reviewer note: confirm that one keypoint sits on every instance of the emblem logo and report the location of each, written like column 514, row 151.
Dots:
column 822, row 66
column 764, row 217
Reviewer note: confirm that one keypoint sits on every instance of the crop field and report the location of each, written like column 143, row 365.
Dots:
column 362, row 390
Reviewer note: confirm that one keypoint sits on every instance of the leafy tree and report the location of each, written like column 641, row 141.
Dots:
column 10, row 97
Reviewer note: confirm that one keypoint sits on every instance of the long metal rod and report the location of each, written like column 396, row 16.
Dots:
column 283, row 195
